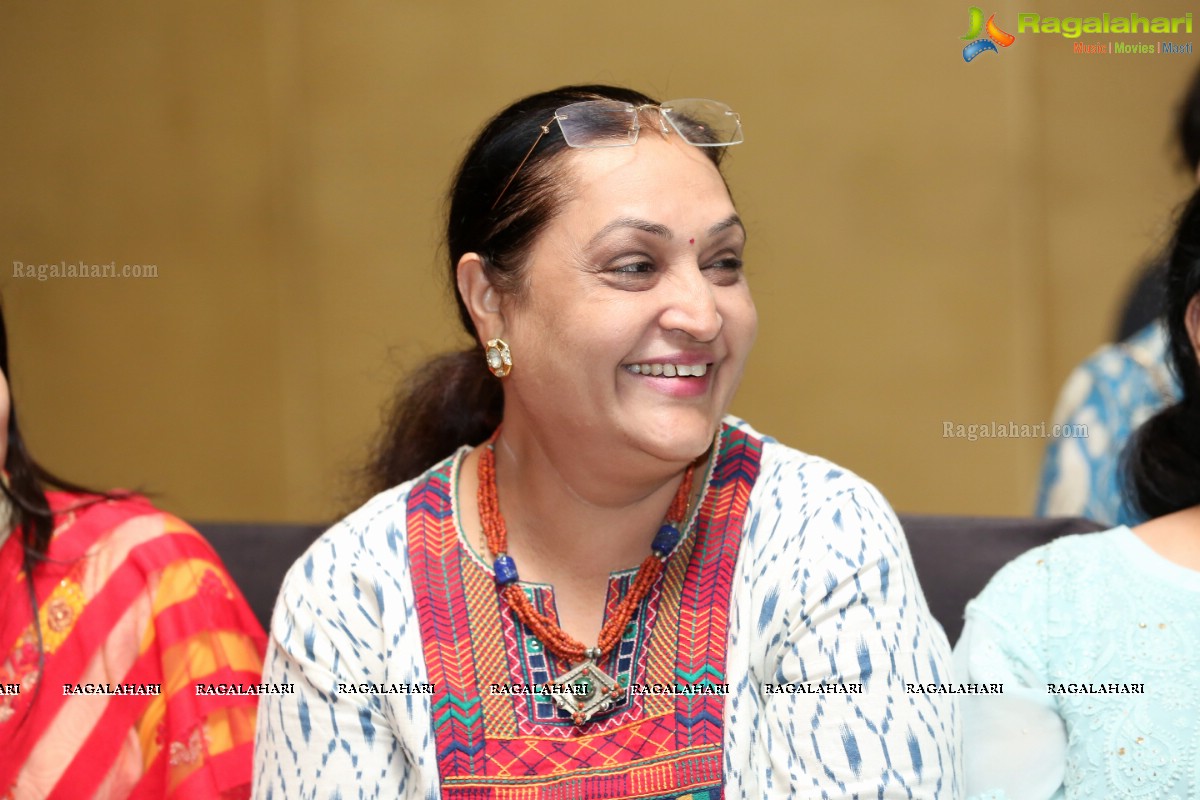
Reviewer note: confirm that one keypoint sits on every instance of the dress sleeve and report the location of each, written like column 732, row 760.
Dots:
column 1021, row 724
column 1067, row 484
column 327, row 633
column 847, row 612
column 1102, row 402
column 195, row 743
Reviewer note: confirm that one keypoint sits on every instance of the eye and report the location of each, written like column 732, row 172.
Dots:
column 731, row 264
column 631, row 271
column 725, row 271
column 634, row 268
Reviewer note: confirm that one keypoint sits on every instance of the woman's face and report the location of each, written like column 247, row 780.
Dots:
column 636, row 319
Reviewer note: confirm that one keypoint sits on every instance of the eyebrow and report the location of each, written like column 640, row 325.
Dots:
column 733, row 220
column 631, row 222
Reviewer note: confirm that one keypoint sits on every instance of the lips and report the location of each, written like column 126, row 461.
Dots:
column 670, row 370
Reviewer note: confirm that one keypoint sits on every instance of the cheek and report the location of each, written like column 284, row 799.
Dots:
column 741, row 319
column 583, row 327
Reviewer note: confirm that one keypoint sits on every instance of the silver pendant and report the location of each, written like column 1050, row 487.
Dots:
column 584, row 691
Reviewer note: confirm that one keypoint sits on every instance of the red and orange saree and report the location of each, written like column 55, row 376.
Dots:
column 134, row 610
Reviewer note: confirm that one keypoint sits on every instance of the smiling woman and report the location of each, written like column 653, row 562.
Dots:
column 565, row 512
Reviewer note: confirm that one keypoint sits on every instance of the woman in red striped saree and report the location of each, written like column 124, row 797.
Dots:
column 133, row 609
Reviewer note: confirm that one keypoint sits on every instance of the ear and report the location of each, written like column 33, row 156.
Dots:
column 480, row 296
column 1191, row 318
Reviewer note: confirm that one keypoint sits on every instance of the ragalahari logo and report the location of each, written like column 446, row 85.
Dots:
column 995, row 36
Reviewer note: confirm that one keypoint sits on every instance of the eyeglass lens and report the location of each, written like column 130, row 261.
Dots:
column 609, row 123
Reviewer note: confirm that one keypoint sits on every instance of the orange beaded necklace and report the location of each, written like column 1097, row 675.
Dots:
column 585, row 689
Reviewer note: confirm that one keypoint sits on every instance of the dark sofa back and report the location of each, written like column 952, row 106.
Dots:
column 955, row 557
column 258, row 555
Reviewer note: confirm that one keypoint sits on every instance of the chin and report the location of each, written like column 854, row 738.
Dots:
column 679, row 438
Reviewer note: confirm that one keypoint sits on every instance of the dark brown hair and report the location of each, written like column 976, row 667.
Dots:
column 453, row 400
column 25, row 487
column 1162, row 461
column 31, row 519
column 1187, row 124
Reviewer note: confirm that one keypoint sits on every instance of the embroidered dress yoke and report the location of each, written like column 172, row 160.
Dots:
column 496, row 725
column 780, row 654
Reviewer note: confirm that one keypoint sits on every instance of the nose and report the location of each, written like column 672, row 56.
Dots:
column 691, row 305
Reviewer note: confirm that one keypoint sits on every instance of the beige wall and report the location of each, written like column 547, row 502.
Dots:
column 930, row 240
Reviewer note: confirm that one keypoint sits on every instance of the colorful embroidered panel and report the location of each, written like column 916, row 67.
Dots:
column 497, row 739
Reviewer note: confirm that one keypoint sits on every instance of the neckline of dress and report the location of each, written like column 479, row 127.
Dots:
column 687, row 530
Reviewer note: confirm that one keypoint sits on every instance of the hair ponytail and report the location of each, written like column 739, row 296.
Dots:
column 449, row 401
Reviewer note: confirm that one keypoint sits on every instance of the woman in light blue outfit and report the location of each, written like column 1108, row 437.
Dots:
column 1096, row 638
column 1113, row 392
column 1109, row 395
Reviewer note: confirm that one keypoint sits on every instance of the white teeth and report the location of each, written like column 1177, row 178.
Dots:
column 670, row 370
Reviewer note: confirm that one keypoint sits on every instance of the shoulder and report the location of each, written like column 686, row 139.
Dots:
column 347, row 606
column 1136, row 357
column 1133, row 372
column 788, row 467
column 805, row 485
column 813, row 508
column 1149, row 345
column 1022, row 587
column 124, row 541
column 121, row 528
column 375, row 533
column 1063, row 556
column 364, row 557
column 90, row 518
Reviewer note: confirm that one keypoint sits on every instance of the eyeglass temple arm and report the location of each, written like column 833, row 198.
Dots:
column 513, row 177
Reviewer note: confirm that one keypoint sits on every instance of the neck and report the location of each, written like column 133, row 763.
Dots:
column 573, row 518
column 1175, row 537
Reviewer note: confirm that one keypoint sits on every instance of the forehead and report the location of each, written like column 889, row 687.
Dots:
column 660, row 178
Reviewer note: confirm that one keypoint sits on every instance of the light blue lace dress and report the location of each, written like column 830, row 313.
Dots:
column 1096, row 611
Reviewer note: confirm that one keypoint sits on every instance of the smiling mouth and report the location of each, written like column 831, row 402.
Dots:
column 669, row 370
